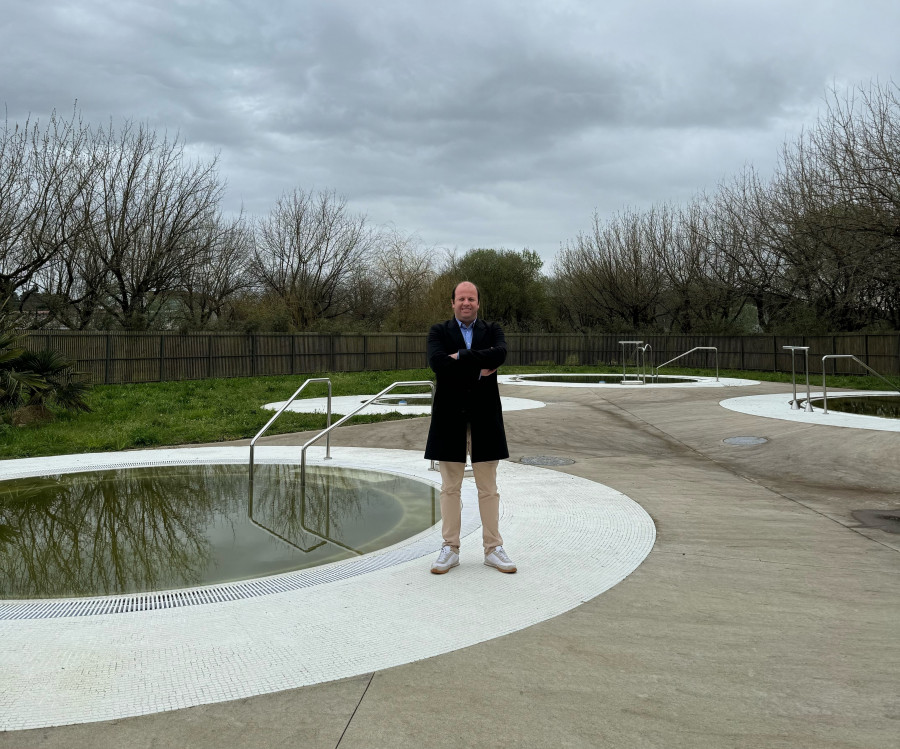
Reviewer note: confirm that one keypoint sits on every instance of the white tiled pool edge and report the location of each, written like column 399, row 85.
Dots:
column 572, row 539
column 344, row 404
column 777, row 406
column 700, row 382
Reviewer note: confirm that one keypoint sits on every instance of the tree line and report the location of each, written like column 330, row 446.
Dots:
column 117, row 227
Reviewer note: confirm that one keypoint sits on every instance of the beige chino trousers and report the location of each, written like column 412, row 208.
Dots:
column 485, row 474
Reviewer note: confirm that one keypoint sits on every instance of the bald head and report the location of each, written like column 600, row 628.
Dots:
column 465, row 302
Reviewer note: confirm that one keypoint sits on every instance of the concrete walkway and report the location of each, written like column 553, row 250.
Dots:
column 763, row 617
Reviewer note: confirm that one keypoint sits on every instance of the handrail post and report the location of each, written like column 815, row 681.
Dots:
column 271, row 421
column 794, row 406
column 808, row 408
column 636, row 344
column 353, row 413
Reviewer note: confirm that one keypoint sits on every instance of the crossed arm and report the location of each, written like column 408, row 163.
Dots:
column 484, row 361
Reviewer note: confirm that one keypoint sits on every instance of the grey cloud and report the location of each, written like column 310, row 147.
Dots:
column 475, row 123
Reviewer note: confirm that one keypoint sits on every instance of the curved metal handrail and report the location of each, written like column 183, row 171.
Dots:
column 696, row 348
column 271, row 421
column 353, row 413
column 847, row 356
column 643, row 349
column 636, row 344
column 795, row 405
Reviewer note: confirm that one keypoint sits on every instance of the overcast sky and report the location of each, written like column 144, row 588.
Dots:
column 475, row 124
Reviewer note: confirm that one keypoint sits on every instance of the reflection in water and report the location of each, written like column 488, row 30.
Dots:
column 885, row 406
column 123, row 531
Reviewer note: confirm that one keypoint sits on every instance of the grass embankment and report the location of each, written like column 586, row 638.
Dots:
column 194, row 411
column 178, row 413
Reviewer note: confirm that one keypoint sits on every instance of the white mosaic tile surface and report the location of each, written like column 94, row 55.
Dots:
column 778, row 406
column 571, row 538
column 701, row 382
column 344, row 404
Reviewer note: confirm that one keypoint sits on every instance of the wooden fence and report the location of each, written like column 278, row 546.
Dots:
column 120, row 357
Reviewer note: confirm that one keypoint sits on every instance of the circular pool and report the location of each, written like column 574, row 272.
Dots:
column 605, row 379
column 616, row 380
column 882, row 406
column 152, row 528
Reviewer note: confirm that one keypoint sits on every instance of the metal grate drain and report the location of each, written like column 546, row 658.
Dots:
column 744, row 441
column 545, row 460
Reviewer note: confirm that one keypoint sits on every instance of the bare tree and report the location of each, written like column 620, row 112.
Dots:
column 615, row 272
column 43, row 172
column 305, row 252
column 406, row 269
column 151, row 209
column 220, row 272
column 703, row 293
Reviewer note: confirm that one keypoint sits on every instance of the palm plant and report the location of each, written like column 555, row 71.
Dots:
column 36, row 378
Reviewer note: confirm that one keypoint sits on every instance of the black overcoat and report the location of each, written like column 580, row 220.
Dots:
column 461, row 398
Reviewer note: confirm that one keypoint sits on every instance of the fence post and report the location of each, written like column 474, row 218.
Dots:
column 162, row 354
column 293, row 352
column 208, row 357
column 774, row 353
column 108, row 356
column 253, row 354
column 396, row 351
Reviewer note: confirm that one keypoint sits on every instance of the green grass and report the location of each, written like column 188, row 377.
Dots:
column 179, row 413
column 195, row 411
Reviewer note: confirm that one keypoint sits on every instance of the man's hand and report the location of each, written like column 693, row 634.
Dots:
column 487, row 372
column 455, row 356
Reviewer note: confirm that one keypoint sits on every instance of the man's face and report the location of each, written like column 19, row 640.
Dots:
column 465, row 302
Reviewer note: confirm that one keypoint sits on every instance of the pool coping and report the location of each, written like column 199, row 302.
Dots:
column 571, row 537
column 777, row 406
column 344, row 404
column 414, row 547
column 701, row 381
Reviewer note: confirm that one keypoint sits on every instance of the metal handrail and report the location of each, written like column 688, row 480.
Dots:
column 696, row 348
column 636, row 344
column 847, row 356
column 271, row 421
column 356, row 411
column 794, row 405
column 643, row 350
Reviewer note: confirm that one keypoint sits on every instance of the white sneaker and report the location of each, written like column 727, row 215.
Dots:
column 499, row 560
column 445, row 561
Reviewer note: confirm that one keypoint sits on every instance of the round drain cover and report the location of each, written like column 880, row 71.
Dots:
column 745, row 441
column 546, row 460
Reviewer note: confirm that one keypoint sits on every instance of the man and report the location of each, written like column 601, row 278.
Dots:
column 464, row 353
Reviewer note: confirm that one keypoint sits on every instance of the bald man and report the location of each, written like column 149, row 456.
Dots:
column 467, row 418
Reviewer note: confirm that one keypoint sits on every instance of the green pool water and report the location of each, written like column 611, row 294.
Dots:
column 142, row 529
column 885, row 406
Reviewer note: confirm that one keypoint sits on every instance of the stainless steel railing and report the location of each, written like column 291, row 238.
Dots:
column 371, row 400
column 795, row 406
column 643, row 351
column 847, row 356
column 696, row 348
column 636, row 345
column 281, row 410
